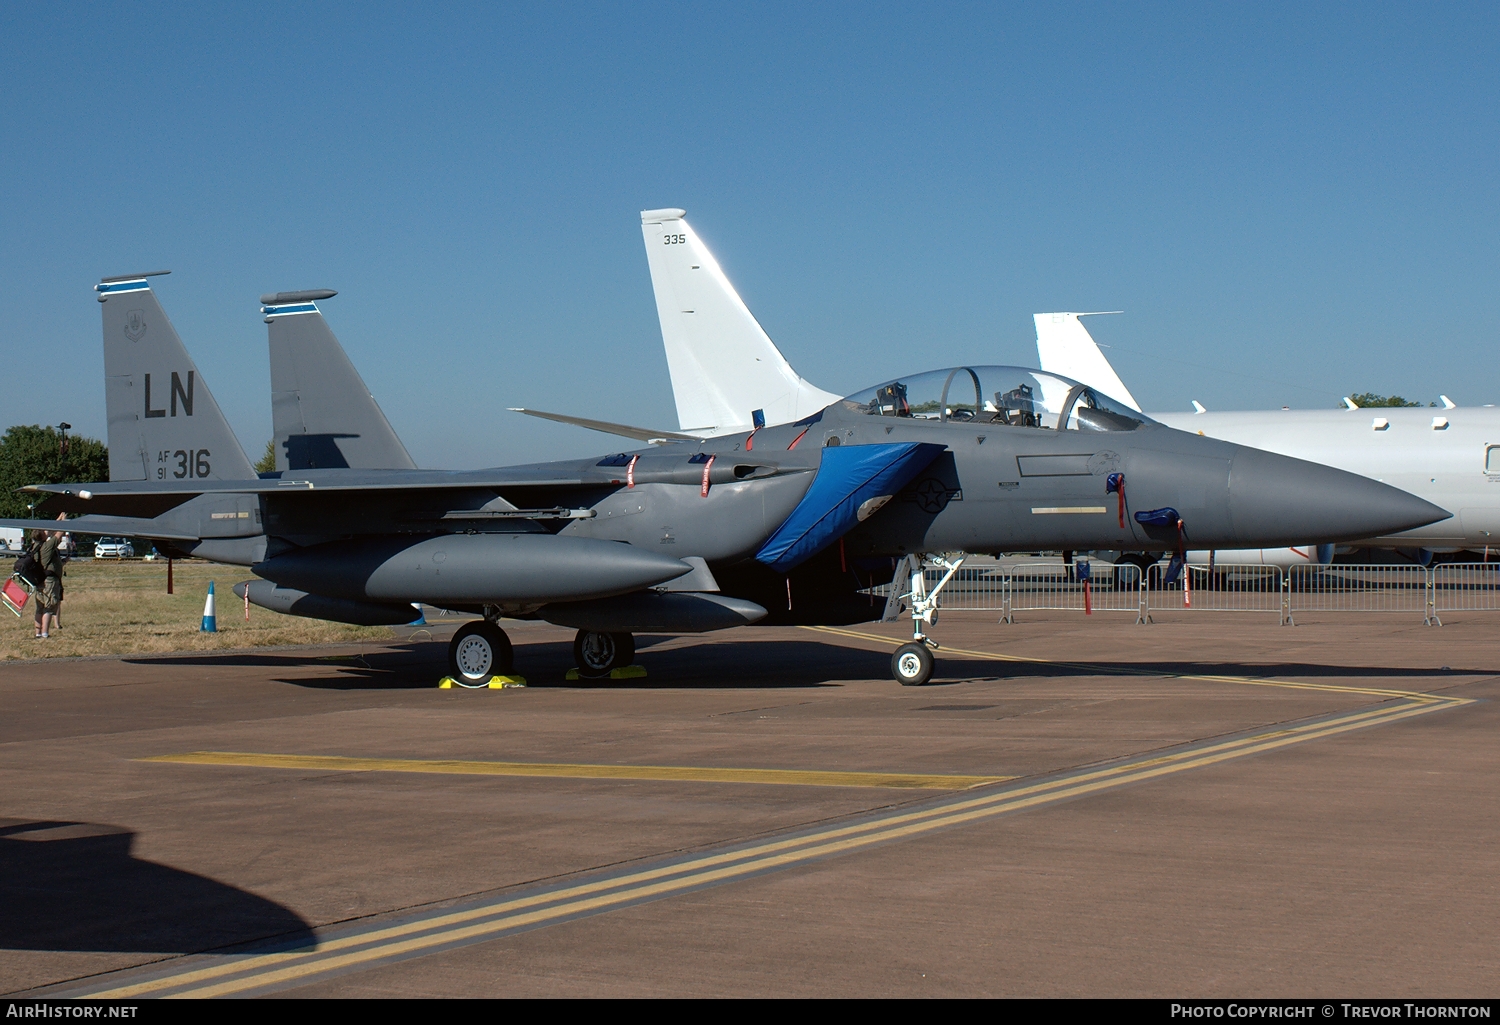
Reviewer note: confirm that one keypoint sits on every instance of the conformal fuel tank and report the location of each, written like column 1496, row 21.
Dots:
column 471, row 569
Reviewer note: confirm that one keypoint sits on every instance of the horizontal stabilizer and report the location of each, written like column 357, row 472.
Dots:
column 848, row 477
column 104, row 526
column 620, row 430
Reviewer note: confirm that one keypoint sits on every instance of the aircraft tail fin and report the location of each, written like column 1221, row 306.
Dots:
column 725, row 369
column 1065, row 347
column 163, row 421
column 322, row 415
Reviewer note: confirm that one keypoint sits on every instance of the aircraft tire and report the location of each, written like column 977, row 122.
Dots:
column 478, row 651
column 911, row 665
column 597, row 653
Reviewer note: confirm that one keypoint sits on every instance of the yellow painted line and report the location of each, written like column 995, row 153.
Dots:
column 548, row 770
column 413, row 938
column 1104, row 670
column 1064, row 510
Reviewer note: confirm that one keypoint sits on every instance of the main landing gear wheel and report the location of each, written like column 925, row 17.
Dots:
column 597, row 653
column 477, row 652
column 912, row 664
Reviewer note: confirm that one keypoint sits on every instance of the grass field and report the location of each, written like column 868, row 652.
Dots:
column 121, row 608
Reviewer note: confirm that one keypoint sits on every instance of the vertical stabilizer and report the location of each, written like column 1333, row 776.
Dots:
column 163, row 421
column 1065, row 347
column 724, row 367
column 322, row 415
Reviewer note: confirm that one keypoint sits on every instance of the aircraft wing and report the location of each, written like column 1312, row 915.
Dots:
column 152, row 498
column 621, row 430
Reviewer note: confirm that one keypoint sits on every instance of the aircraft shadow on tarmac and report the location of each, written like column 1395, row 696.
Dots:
column 76, row 886
column 723, row 664
column 416, row 665
column 732, row 664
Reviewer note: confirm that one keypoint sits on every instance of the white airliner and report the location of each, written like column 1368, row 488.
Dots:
column 1449, row 456
column 726, row 373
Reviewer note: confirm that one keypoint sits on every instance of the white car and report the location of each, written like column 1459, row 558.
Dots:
column 113, row 548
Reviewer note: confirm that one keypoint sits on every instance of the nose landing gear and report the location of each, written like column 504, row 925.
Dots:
column 912, row 663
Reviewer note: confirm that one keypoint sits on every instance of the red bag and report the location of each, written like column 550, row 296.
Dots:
column 14, row 595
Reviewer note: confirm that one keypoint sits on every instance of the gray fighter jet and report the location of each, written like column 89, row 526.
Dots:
column 784, row 524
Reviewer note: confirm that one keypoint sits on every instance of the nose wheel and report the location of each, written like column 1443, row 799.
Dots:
column 911, row 665
column 477, row 652
column 597, row 653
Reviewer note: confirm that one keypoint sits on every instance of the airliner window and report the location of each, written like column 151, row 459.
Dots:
column 1492, row 459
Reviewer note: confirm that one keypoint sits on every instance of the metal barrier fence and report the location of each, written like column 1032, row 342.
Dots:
column 1033, row 587
column 1040, row 586
column 1471, row 587
column 1243, row 589
column 1108, row 589
column 1367, row 589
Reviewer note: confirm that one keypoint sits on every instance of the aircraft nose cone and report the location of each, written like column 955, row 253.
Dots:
column 1299, row 502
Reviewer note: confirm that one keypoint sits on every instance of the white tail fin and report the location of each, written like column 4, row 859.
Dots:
column 1066, row 348
column 724, row 367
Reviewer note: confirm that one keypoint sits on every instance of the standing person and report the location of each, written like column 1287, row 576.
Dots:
column 49, row 600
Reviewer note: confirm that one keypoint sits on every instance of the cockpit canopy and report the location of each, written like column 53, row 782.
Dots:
column 997, row 395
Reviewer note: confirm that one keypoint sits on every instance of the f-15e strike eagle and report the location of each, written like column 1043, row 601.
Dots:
column 788, row 522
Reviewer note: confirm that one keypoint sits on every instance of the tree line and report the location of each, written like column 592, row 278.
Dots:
column 31, row 454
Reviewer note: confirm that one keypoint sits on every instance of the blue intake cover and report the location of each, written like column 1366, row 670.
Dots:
column 848, row 476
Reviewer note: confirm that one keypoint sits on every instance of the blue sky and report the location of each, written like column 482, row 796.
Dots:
column 1291, row 202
